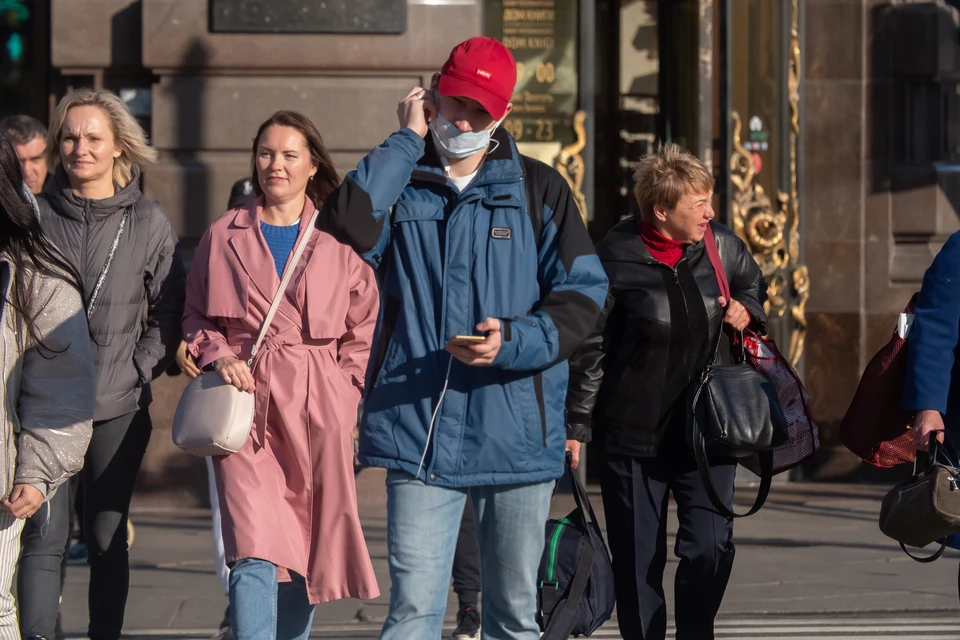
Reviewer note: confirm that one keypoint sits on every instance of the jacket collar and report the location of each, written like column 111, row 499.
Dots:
column 251, row 248
column 69, row 205
column 624, row 244
column 503, row 164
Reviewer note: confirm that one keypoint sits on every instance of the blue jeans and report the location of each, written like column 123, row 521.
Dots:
column 263, row 609
column 422, row 526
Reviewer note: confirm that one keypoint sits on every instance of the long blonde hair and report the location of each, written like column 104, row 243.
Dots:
column 128, row 135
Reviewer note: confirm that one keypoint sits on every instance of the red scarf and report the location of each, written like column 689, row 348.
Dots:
column 660, row 247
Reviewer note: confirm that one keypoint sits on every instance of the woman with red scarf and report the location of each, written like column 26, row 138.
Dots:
column 628, row 389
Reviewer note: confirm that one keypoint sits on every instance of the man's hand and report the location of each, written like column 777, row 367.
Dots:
column 926, row 423
column 484, row 353
column 24, row 501
column 737, row 315
column 185, row 361
column 416, row 110
column 573, row 446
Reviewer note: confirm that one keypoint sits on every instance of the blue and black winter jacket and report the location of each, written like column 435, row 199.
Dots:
column 446, row 261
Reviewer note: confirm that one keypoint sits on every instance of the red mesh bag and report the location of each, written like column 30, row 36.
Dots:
column 803, row 437
column 763, row 355
column 875, row 427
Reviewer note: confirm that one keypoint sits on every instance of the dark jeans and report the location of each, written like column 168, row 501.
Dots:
column 109, row 471
column 40, row 572
column 466, row 559
column 635, row 497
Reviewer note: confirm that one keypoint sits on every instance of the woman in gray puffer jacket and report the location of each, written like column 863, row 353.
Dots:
column 124, row 247
column 47, row 373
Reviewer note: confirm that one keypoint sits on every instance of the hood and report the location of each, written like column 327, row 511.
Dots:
column 68, row 204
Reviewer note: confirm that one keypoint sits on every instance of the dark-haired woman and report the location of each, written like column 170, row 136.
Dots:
column 47, row 368
column 291, row 530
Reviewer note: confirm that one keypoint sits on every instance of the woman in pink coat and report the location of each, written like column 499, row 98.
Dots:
column 288, row 499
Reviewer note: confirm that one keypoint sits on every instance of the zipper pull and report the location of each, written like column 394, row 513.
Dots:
column 676, row 276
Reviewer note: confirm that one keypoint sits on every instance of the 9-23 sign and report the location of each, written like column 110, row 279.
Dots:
column 540, row 129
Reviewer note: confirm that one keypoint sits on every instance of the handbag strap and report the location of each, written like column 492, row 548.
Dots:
column 703, row 467
column 106, row 265
column 925, row 559
column 284, row 281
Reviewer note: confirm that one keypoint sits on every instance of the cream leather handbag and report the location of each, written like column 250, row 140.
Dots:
column 215, row 418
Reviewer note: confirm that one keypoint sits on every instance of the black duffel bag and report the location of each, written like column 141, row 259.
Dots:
column 575, row 594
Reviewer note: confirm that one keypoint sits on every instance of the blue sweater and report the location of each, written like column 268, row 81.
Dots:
column 933, row 379
column 281, row 241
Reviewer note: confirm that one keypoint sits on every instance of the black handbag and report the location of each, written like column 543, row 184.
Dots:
column 734, row 413
column 925, row 508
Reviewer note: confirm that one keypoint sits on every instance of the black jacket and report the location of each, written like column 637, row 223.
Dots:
column 658, row 328
column 136, row 321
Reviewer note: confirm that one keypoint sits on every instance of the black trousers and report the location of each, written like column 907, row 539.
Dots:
column 109, row 471
column 466, row 559
column 39, row 574
column 635, row 498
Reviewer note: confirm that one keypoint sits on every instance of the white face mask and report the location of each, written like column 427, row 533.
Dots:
column 460, row 144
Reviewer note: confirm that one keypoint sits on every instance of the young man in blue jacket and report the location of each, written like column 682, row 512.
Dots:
column 469, row 239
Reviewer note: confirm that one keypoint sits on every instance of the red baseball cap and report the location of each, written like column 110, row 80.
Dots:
column 482, row 69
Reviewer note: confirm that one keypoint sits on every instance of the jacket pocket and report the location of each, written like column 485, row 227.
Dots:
column 533, row 421
column 541, row 408
column 412, row 211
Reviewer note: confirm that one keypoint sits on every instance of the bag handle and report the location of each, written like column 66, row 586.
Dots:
column 284, row 282
column 580, row 496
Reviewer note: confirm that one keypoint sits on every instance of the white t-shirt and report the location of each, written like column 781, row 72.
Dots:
column 464, row 182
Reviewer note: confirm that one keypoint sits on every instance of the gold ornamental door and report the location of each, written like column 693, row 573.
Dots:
column 763, row 103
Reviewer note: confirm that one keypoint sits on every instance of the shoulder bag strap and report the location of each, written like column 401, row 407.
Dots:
column 713, row 253
column 287, row 274
column 564, row 616
column 106, row 265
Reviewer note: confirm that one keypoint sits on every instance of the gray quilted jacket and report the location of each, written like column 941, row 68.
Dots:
column 136, row 321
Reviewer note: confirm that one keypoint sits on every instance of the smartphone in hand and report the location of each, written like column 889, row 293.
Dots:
column 465, row 340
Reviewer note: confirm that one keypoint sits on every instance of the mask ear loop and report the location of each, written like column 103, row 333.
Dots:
column 496, row 143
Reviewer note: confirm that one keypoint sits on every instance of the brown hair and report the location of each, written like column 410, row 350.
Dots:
column 666, row 175
column 326, row 178
column 128, row 135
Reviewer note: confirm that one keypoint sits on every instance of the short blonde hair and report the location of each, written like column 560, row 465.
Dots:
column 128, row 135
column 666, row 175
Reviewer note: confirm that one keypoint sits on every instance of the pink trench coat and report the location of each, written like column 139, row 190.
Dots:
column 288, row 496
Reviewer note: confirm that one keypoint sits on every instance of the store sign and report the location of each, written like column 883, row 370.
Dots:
column 308, row 16
column 542, row 36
